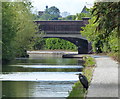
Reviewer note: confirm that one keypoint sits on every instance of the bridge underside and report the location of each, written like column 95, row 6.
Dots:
column 82, row 44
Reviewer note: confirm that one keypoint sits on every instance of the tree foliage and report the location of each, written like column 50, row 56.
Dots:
column 103, row 27
column 79, row 16
column 18, row 29
column 55, row 43
column 51, row 13
column 69, row 17
column 107, row 15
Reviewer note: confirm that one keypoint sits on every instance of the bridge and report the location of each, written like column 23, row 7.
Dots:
column 67, row 30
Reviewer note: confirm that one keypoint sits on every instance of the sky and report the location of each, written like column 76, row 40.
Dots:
column 71, row 6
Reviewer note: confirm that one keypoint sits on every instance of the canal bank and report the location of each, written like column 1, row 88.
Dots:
column 77, row 90
column 104, row 83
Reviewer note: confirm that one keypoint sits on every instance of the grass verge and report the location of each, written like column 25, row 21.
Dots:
column 115, row 56
column 77, row 90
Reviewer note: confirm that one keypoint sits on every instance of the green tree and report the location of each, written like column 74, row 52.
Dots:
column 54, row 43
column 25, row 37
column 91, row 35
column 107, row 15
column 8, row 30
column 103, row 27
column 18, row 29
column 51, row 13
column 79, row 16
column 70, row 17
column 86, row 13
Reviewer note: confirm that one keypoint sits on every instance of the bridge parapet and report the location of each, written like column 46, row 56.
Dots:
column 61, row 26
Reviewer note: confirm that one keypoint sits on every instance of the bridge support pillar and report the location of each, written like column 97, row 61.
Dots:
column 80, row 43
column 82, row 46
column 82, row 50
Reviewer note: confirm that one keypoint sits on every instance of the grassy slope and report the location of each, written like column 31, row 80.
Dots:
column 77, row 90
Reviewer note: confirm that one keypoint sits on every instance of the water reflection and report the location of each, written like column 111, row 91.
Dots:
column 36, row 89
column 40, row 76
column 20, row 64
column 15, row 89
column 36, row 77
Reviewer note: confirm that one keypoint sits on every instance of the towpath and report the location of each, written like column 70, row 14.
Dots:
column 105, row 79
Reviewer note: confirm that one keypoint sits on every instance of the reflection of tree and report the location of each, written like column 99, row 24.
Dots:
column 15, row 89
column 80, row 62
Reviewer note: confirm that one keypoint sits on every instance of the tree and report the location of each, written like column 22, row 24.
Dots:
column 91, row 35
column 107, row 14
column 103, row 27
column 70, row 17
column 51, row 13
column 85, row 13
column 79, row 16
column 18, row 29
column 8, row 30
column 57, row 43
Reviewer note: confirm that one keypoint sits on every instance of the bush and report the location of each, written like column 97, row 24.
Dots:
column 55, row 43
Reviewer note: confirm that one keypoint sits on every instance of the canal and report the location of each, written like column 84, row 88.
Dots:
column 40, row 76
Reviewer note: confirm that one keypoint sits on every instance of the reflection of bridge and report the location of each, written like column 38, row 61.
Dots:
column 67, row 30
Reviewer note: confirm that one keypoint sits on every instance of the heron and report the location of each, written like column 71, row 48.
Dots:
column 83, row 80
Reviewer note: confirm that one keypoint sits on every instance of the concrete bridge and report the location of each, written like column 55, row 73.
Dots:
column 67, row 30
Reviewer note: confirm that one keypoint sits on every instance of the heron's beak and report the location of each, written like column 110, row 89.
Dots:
column 78, row 74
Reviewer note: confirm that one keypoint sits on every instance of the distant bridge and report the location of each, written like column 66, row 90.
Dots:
column 67, row 30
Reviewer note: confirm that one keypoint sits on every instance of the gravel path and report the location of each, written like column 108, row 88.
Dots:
column 105, row 79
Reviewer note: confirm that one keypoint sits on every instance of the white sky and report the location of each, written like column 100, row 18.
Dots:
column 71, row 6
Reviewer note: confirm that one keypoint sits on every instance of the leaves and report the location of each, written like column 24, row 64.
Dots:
column 51, row 13
column 55, row 43
column 103, row 27
column 107, row 14
column 18, row 29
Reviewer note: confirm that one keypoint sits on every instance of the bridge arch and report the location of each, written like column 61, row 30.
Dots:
column 67, row 30
column 80, row 43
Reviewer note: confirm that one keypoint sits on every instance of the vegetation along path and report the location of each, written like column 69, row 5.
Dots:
column 105, row 78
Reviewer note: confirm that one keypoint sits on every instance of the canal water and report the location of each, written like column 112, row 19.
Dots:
column 40, row 77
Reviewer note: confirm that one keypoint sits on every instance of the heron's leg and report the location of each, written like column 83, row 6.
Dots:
column 83, row 90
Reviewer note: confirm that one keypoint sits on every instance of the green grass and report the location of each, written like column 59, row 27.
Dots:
column 77, row 90
column 89, row 61
column 115, row 56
